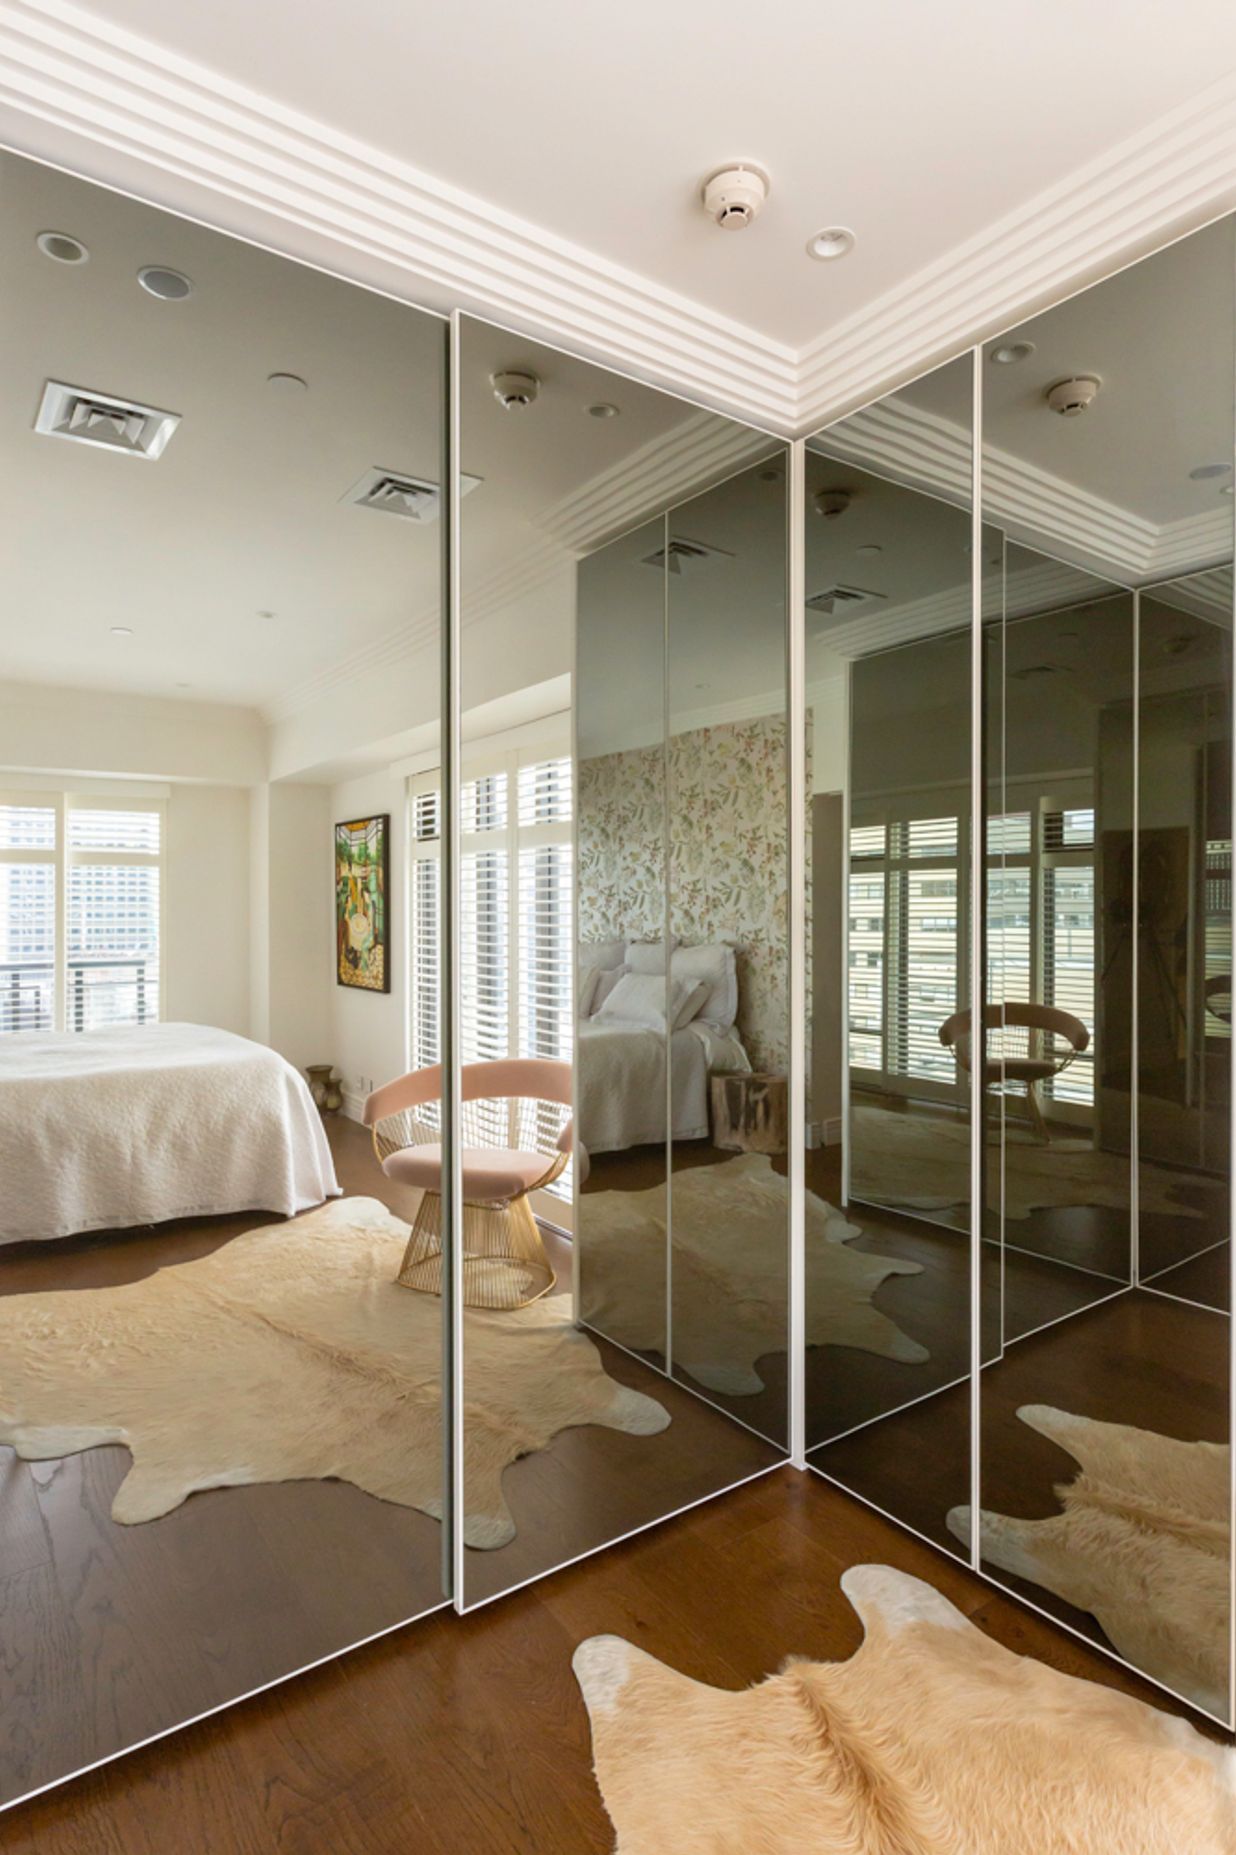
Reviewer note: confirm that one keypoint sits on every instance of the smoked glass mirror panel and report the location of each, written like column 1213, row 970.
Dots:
column 1185, row 937
column 222, row 634
column 888, row 583
column 1104, row 1480
column 568, row 553
column 727, row 768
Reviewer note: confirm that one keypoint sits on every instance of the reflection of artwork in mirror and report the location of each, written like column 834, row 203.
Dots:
column 362, row 918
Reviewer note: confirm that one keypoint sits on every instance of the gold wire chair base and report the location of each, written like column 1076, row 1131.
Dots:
column 504, row 1261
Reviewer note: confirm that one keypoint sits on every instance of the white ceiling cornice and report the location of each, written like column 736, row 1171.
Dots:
column 78, row 90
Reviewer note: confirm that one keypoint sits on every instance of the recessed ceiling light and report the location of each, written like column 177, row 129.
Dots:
column 168, row 285
column 1010, row 352
column 869, row 547
column 184, row 685
column 835, row 241
column 63, row 247
column 1228, row 490
column 287, row 383
column 268, row 615
column 122, row 631
column 603, row 410
column 1204, row 472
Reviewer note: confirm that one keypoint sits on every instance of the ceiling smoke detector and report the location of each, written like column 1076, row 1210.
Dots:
column 99, row 418
column 513, row 388
column 830, row 503
column 1069, row 397
column 734, row 195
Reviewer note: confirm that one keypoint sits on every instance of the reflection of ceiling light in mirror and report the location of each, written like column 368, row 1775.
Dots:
column 869, row 547
column 603, row 410
column 63, row 247
column 287, row 383
column 835, row 241
column 773, row 474
column 168, row 285
column 1204, row 472
column 122, row 631
column 1010, row 352
column 268, row 615
column 1228, row 490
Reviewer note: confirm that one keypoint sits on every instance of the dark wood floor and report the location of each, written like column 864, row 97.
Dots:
column 468, row 1737
column 1141, row 1359
column 112, row 1633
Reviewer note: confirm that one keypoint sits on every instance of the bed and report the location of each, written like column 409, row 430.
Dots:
column 620, row 1065
column 103, row 1130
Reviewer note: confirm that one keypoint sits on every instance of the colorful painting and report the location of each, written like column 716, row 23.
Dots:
column 362, row 919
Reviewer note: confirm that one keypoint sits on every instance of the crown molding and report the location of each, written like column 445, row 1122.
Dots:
column 1170, row 178
column 79, row 91
column 255, row 167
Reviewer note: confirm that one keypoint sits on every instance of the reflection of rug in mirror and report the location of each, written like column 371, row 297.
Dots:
column 922, row 1161
column 1143, row 1545
column 931, row 1740
column 291, row 1353
column 729, row 1274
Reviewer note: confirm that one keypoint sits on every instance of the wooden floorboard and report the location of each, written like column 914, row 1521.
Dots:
column 468, row 1734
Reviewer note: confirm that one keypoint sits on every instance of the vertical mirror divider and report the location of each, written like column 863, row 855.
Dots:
column 667, row 917
column 799, row 800
column 450, row 963
column 1135, row 1048
column 978, row 949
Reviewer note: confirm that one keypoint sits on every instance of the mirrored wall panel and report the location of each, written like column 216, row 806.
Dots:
column 1107, row 468
column 221, row 1416
column 624, row 1067
column 889, row 1206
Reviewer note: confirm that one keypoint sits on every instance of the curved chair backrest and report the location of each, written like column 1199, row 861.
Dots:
column 1025, row 1016
column 511, row 1079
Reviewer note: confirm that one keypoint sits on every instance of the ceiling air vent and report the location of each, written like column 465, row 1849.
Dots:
column 392, row 492
column 683, row 556
column 836, row 599
column 99, row 418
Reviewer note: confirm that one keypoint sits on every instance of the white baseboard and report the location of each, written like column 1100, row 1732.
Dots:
column 354, row 1107
column 824, row 1133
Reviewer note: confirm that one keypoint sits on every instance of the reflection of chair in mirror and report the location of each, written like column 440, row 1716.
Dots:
column 515, row 1135
column 1053, row 1040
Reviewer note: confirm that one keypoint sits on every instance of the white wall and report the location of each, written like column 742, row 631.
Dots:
column 94, row 732
column 366, row 1035
column 206, row 913
column 299, row 911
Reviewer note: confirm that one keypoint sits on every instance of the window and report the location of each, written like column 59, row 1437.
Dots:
column 80, row 899
column 904, row 970
column 516, row 913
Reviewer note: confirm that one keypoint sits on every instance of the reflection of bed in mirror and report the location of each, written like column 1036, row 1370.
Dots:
column 142, row 1124
column 621, row 1069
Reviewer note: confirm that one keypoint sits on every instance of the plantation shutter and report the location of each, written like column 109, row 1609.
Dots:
column 27, row 917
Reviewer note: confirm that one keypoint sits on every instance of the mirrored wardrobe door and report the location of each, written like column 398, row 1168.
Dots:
column 888, row 579
column 221, row 1418
column 1107, row 457
column 574, row 985
column 727, row 769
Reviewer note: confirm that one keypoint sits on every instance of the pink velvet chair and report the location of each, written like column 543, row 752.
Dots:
column 515, row 1138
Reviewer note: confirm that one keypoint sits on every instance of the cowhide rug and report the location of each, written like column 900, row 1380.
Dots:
column 290, row 1353
column 1143, row 1545
column 922, row 1162
column 930, row 1740
column 730, row 1262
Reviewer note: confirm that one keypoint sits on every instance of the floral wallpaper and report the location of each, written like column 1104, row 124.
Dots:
column 727, row 859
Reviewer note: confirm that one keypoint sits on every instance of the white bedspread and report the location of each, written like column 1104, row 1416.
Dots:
column 620, row 1082
column 100, row 1130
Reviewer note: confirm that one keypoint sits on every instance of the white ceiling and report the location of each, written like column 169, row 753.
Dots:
column 916, row 125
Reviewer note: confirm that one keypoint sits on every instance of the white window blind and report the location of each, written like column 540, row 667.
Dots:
column 1217, row 956
column 80, row 905
column 516, row 912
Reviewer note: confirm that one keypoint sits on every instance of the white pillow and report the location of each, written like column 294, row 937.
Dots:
column 605, row 955
column 640, row 998
column 586, row 990
column 648, row 956
column 604, row 986
column 693, row 999
column 716, row 966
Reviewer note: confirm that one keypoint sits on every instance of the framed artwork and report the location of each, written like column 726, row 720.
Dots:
column 362, row 904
